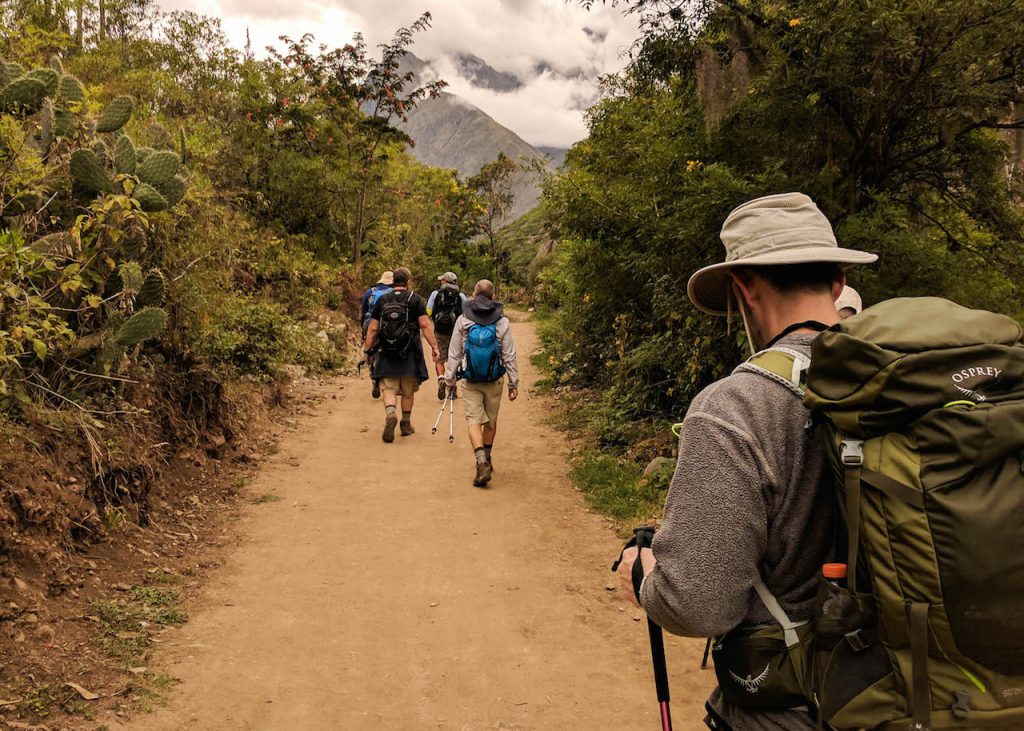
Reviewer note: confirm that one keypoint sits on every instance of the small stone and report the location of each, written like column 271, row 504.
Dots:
column 20, row 585
column 31, row 618
column 45, row 632
column 636, row 618
column 609, row 587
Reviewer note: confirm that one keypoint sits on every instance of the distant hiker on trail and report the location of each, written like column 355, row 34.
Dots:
column 849, row 303
column 369, row 301
column 482, row 351
column 397, row 320
column 443, row 308
column 748, row 518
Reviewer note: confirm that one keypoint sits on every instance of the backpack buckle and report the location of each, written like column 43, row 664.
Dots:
column 851, row 452
column 856, row 641
column 961, row 704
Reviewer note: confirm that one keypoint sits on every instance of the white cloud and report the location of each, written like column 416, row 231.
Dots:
column 515, row 36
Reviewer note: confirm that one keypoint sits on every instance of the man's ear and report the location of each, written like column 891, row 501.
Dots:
column 743, row 281
column 837, row 285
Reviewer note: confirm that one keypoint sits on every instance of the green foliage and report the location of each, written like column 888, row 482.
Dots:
column 23, row 94
column 618, row 489
column 88, row 172
column 116, row 114
column 141, row 326
column 124, row 155
column 159, row 167
column 153, row 289
column 889, row 117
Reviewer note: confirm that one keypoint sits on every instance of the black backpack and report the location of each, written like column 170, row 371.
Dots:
column 395, row 327
column 447, row 307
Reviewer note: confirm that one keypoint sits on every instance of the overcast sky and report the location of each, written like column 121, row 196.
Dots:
column 515, row 36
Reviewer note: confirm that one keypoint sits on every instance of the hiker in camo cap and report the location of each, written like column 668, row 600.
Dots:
column 748, row 517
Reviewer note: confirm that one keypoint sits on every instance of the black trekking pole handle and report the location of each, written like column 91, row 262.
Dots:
column 643, row 537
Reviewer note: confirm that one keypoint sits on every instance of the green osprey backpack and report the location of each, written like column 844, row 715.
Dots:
column 921, row 403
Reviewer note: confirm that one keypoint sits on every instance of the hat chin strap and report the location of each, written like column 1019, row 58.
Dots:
column 743, row 315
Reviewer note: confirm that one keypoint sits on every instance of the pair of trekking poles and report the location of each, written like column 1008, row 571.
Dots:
column 642, row 538
column 449, row 402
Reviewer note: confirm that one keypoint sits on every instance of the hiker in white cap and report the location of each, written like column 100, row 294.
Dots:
column 849, row 302
column 748, row 517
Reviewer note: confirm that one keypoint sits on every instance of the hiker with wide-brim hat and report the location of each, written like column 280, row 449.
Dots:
column 748, row 518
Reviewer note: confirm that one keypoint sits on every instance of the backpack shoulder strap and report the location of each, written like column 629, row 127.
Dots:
column 782, row 365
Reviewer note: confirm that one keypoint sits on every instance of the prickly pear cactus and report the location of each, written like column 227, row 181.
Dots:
column 173, row 190
column 88, row 171
column 25, row 93
column 124, row 155
column 56, row 65
column 182, row 147
column 131, row 276
column 158, row 167
column 14, row 71
column 153, row 289
column 149, row 198
column 143, row 325
column 70, row 89
column 141, row 153
column 48, row 77
column 116, row 114
column 63, row 121
column 109, row 353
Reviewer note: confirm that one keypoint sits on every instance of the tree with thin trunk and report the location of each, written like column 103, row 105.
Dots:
column 493, row 185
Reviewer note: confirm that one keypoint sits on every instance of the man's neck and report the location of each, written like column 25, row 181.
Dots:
column 790, row 310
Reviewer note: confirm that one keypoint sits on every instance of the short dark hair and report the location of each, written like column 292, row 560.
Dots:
column 818, row 276
column 402, row 276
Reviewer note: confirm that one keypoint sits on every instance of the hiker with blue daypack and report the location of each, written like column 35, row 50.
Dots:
column 483, row 352
column 366, row 305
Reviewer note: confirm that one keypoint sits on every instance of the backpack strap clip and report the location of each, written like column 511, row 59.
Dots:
column 961, row 705
column 852, row 452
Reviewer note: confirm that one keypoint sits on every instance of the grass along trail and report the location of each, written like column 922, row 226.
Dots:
column 384, row 591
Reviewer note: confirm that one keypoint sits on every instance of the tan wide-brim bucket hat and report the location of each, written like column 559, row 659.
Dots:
column 770, row 231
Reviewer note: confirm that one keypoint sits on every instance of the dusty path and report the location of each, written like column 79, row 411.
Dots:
column 384, row 591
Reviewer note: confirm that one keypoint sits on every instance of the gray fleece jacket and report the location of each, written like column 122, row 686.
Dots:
column 483, row 311
column 748, row 501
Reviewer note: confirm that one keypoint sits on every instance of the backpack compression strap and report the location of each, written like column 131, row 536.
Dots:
column 782, row 365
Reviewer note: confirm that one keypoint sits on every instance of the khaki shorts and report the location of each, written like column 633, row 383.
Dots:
column 443, row 341
column 481, row 401
column 405, row 386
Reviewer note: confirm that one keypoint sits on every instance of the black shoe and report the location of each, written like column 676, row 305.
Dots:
column 376, row 389
column 442, row 390
column 481, row 475
column 406, row 428
column 389, row 428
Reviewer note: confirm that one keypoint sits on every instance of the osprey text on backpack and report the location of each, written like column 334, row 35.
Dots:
column 482, row 361
column 396, row 331
column 447, row 307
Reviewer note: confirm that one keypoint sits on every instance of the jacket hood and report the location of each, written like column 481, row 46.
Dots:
column 483, row 311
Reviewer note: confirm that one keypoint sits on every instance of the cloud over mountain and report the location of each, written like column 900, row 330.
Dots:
column 531, row 64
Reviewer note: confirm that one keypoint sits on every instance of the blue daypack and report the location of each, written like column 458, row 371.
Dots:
column 482, row 362
column 371, row 303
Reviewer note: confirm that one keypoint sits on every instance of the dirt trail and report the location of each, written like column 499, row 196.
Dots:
column 384, row 591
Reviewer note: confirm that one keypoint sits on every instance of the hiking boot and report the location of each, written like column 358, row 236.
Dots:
column 407, row 428
column 389, row 428
column 455, row 392
column 376, row 389
column 483, row 474
column 442, row 390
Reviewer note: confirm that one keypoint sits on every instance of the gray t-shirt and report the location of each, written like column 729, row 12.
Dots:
column 748, row 501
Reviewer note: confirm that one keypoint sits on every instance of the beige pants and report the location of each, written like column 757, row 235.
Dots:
column 406, row 386
column 481, row 401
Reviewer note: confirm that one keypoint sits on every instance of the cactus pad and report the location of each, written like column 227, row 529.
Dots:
column 63, row 121
column 149, row 198
column 116, row 114
column 152, row 291
column 141, row 153
column 56, row 65
column 88, row 171
column 143, row 325
column 14, row 71
column 49, row 77
column 158, row 167
column 71, row 89
column 131, row 277
column 26, row 93
column 173, row 190
column 124, row 155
